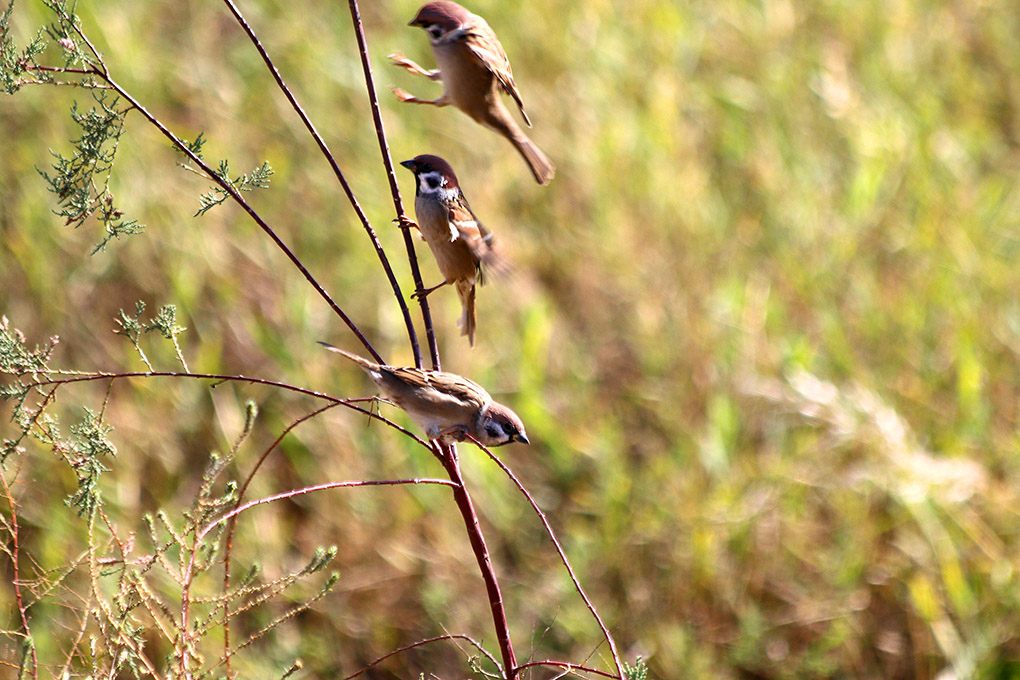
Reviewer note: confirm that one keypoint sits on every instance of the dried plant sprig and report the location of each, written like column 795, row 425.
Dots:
column 29, row 654
column 316, row 564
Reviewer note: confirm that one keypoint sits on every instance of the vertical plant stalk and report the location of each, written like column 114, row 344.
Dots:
column 14, row 554
column 402, row 220
column 448, row 456
column 412, row 335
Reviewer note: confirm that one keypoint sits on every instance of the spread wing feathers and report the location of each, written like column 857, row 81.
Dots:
column 476, row 237
column 486, row 48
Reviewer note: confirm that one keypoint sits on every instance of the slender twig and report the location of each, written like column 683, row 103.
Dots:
column 66, row 668
column 190, row 569
column 421, row 643
column 347, row 403
column 461, row 496
column 567, row 666
column 559, row 549
column 398, row 204
column 228, row 550
column 16, row 568
column 62, row 69
column 103, row 607
column 317, row 487
column 246, row 27
column 84, row 86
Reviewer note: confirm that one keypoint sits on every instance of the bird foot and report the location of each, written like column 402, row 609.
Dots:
column 422, row 293
column 405, row 96
column 457, row 432
column 397, row 59
column 405, row 222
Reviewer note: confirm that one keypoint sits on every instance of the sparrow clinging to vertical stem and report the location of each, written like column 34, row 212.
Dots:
column 459, row 242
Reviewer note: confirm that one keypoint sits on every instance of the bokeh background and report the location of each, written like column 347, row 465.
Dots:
column 764, row 329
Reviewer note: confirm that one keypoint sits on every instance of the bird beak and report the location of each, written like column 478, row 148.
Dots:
column 410, row 165
column 522, row 438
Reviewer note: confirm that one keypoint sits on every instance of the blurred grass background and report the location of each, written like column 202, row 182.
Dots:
column 764, row 335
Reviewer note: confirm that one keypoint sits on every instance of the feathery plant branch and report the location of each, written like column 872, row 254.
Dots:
column 165, row 322
column 15, row 64
column 81, row 181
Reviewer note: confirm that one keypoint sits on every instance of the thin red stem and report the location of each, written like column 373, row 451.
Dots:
column 348, row 403
column 567, row 666
column 421, row 643
column 398, row 204
column 560, row 550
column 467, row 510
column 16, row 566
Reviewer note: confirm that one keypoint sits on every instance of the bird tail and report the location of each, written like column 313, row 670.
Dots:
column 466, row 291
column 371, row 367
column 541, row 167
column 500, row 121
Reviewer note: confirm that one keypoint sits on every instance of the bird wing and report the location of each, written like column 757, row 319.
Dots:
column 475, row 236
column 483, row 44
column 438, row 392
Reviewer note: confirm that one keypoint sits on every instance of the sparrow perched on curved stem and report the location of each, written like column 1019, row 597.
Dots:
column 445, row 405
column 459, row 242
column 475, row 70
